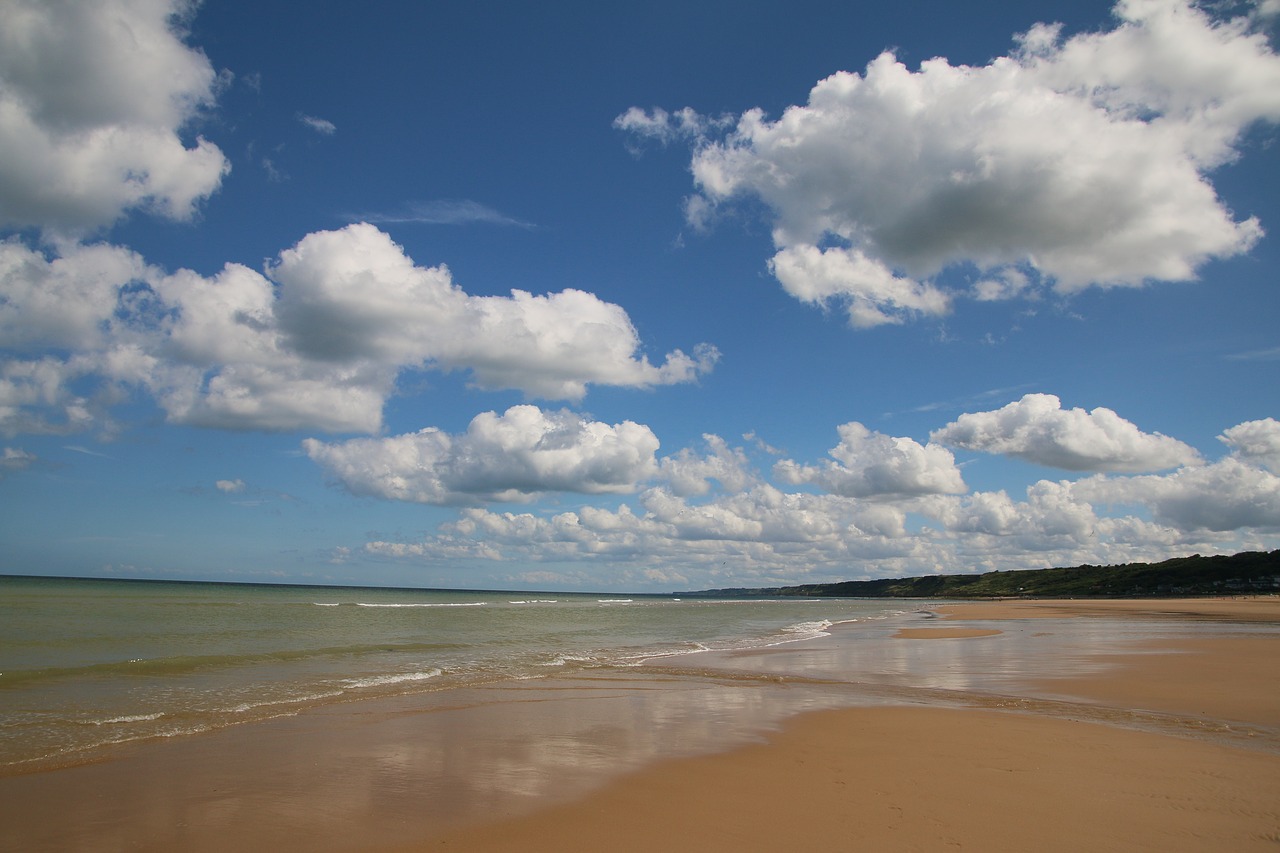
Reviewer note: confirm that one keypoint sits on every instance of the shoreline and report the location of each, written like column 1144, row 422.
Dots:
column 1032, row 777
column 605, row 752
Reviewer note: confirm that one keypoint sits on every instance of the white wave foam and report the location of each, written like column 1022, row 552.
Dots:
column 326, row 603
column 314, row 697
column 805, row 627
column 535, row 601
column 128, row 718
column 806, row 631
column 561, row 660
column 613, row 600
column 396, row 678
column 435, row 604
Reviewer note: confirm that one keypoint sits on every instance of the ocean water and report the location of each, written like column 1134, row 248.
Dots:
column 88, row 663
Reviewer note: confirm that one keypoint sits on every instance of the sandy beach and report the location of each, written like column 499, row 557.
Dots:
column 1020, row 725
column 921, row 778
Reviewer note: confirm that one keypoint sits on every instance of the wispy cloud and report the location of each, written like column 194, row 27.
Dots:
column 1272, row 354
column 86, row 451
column 319, row 125
column 964, row 403
column 443, row 212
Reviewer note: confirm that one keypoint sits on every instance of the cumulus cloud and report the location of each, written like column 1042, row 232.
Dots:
column 316, row 341
column 1240, row 491
column 870, row 464
column 873, row 293
column 1079, row 161
column 689, row 473
column 1225, row 495
column 64, row 302
column 1052, row 517
column 1037, row 429
column 341, row 286
column 509, row 457
column 93, row 99
column 889, row 507
column 230, row 487
column 37, row 397
column 761, row 526
column 765, row 533
column 1255, row 441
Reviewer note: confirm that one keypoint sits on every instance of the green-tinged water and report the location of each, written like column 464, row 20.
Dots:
column 85, row 663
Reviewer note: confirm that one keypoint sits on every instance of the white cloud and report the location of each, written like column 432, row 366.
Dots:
column 322, row 126
column 1002, row 284
column 1257, row 442
column 1223, row 496
column 36, row 397
column 760, row 534
column 764, row 535
column 15, row 459
column 665, row 127
column 1052, row 517
column 316, row 342
column 92, row 99
column 513, row 456
column 230, row 487
column 1037, row 429
column 65, row 302
column 1082, row 160
column 445, row 212
column 688, row 473
column 340, row 285
column 870, row 464
column 1234, row 493
column 873, row 294
column 762, row 526
column 767, row 534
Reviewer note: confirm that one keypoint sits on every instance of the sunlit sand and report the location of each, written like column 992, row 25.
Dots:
column 1093, row 726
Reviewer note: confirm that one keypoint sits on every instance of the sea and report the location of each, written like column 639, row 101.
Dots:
column 87, row 663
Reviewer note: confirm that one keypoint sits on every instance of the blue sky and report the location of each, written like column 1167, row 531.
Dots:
column 645, row 298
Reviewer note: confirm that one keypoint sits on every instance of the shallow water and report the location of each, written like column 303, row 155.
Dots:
column 417, row 761
column 89, row 663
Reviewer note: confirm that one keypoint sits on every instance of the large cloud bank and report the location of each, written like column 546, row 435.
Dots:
column 878, row 505
column 317, row 341
column 1074, row 161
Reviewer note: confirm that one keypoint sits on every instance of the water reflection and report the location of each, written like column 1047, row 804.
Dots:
column 1016, row 660
column 414, row 766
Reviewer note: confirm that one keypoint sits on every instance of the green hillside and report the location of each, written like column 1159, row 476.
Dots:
column 1248, row 572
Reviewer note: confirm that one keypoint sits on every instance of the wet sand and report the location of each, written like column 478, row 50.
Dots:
column 1156, row 767
column 889, row 779
column 1063, row 726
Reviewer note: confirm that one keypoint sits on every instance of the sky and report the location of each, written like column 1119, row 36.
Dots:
column 638, row 297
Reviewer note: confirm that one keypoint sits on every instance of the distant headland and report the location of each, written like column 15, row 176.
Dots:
column 1250, row 572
